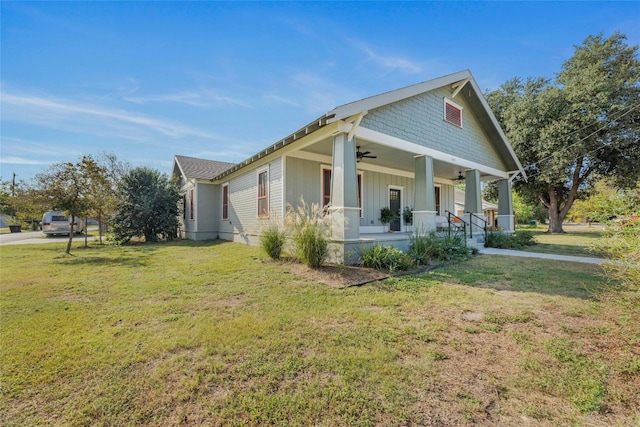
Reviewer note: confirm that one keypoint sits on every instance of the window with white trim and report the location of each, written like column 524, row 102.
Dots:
column 263, row 194
column 452, row 113
column 225, row 201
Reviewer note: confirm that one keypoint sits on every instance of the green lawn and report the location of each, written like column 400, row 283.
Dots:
column 214, row 333
column 577, row 241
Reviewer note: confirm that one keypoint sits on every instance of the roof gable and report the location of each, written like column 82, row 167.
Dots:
column 195, row 168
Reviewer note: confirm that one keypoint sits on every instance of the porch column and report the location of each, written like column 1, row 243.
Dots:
column 505, row 206
column 473, row 198
column 424, row 209
column 345, row 213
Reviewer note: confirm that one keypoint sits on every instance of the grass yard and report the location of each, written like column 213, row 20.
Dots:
column 214, row 333
column 577, row 241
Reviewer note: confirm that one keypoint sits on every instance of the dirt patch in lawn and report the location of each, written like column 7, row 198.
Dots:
column 343, row 276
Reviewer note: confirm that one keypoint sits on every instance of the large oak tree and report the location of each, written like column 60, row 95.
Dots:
column 582, row 124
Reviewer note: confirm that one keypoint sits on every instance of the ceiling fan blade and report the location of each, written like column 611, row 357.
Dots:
column 370, row 157
column 365, row 153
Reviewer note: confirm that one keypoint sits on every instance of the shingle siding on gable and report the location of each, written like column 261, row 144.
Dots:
column 420, row 120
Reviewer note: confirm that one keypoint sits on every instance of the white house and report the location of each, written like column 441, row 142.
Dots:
column 404, row 148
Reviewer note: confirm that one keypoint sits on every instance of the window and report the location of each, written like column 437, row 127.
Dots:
column 326, row 189
column 184, row 206
column 437, row 200
column 263, row 195
column 452, row 113
column 191, row 204
column 225, row 201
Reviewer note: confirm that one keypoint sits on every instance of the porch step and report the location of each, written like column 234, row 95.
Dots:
column 476, row 242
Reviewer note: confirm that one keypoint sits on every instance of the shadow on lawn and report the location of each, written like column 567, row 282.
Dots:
column 135, row 254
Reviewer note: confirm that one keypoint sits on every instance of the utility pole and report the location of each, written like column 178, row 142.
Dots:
column 13, row 186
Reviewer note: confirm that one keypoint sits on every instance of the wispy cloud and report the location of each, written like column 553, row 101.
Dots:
column 204, row 99
column 188, row 98
column 281, row 100
column 388, row 62
column 49, row 111
column 13, row 160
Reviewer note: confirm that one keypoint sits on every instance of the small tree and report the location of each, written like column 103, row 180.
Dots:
column 68, row 187
column 148, row 206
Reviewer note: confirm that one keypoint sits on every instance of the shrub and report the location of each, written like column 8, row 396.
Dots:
column 429, row 246
column 386, row 258
column 273, row 240
column 310, row 232
column 517, row 240
column 621, row 245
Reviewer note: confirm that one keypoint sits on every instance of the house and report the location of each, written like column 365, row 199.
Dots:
column 489, row 210
column 404, row 148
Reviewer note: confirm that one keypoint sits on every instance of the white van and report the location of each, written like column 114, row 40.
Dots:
column 59, row 223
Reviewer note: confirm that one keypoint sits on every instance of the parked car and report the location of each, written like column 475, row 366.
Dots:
column 59, row 223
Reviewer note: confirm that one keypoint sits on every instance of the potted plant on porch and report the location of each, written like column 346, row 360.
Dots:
column 407, row 216
column 387, row 215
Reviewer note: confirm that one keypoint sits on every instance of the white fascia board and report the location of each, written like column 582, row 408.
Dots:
column 376, row 101
column 310, row 139
column 417, row 149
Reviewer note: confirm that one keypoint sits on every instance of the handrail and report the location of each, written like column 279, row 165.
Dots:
column 471, row 218
column 462, row 221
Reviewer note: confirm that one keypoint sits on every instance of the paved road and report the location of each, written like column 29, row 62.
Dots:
column 33, row 237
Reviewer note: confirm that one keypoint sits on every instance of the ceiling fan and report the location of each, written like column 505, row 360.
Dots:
column 460, row 177
column 361, row 155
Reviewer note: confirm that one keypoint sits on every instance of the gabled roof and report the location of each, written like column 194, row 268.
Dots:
column 456, row 80
column 194, row 168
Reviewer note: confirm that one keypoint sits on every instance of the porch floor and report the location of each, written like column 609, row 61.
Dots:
column 385, row 237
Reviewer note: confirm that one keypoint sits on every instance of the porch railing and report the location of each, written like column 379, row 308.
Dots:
column 478, row 221
column 458, row 223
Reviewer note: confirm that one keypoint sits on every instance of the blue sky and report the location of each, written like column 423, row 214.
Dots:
column 217, row 80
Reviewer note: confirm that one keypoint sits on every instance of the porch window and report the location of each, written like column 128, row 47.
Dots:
column 437, row 200
column 452, row 113
column 225, row 201
column 326, row 189
column 191, row 204
column 263, row 194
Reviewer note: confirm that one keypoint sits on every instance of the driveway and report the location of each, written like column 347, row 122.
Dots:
column 36, row 237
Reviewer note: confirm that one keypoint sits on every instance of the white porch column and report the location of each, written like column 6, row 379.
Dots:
column 473, row 198
column 424, row 209
column 505, row 206
column 345, row 213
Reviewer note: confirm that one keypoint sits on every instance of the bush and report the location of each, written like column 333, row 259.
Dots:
column 310, row 232
column 386, row 258
column 429, row 246
column 621, row 245
column 517, row 240
column 272, row 241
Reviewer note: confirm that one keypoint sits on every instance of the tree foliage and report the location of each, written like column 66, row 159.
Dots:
column 148, row 206
column 584, row 123
column 70, row 187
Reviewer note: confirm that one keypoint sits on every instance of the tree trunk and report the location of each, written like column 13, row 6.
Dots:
column 555, row 214
column 71, row 231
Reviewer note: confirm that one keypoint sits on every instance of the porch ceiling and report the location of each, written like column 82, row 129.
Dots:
column 390, row 158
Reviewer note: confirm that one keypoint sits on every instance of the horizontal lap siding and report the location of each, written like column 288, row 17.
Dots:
column 420, row 119
column 303, row 181
column 206, row 211
column 243, row 223
column 376, row 194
